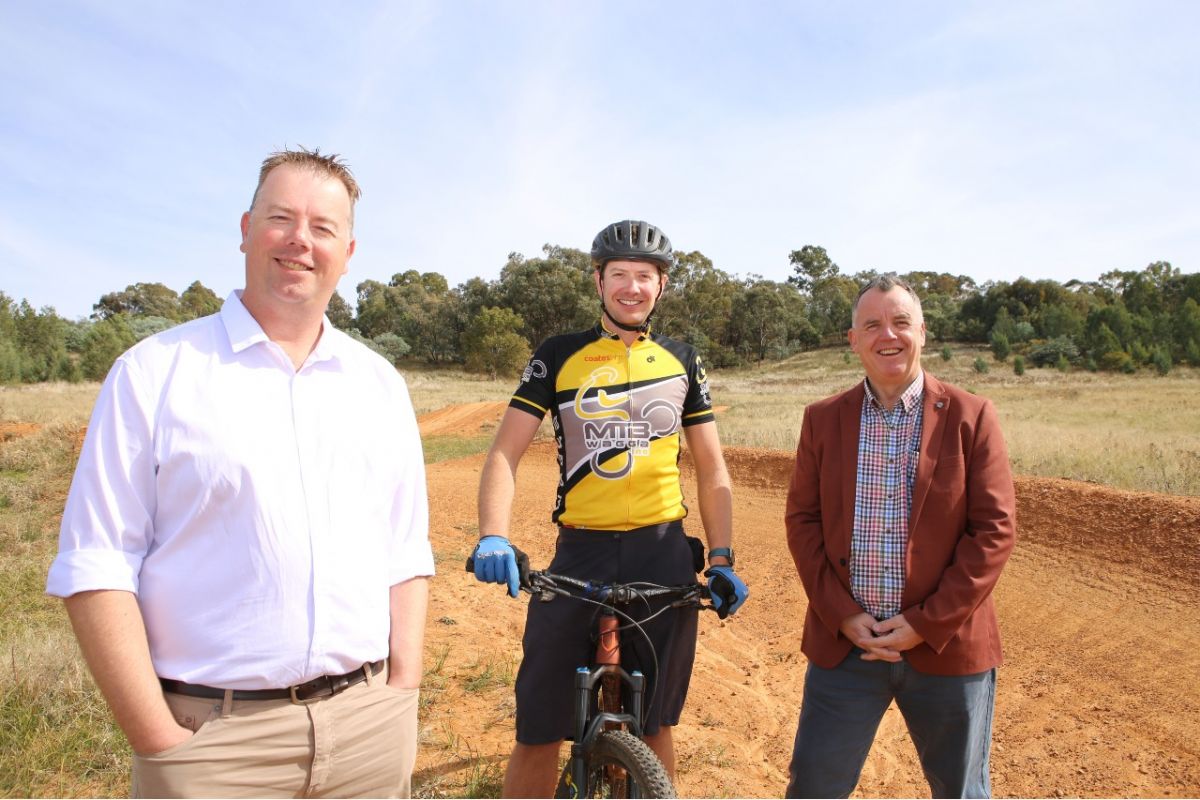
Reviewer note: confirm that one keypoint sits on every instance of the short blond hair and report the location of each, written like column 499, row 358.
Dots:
column 329, row 165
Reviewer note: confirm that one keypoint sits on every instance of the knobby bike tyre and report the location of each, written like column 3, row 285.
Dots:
column 620, row 749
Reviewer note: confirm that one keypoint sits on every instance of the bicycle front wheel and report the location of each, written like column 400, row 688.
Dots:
column 618, row 765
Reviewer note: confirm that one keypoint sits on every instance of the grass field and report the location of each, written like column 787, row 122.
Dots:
column 56, row 736
column 1135, row 432
column 1138, row 432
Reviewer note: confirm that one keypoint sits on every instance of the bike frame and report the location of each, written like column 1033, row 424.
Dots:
column 606, row 675
column 610, row 676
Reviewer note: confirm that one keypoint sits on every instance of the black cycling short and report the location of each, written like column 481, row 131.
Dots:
column 559, row 635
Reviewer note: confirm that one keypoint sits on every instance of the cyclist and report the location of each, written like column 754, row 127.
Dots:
column 618, row 396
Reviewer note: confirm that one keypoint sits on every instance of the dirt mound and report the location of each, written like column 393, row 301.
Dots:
column 15, row 430
column 1151, row 531
column 1097, row 695
column 762, row 469
column 467, row 419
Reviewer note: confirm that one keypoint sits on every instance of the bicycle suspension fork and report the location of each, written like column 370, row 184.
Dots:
column 608, row 674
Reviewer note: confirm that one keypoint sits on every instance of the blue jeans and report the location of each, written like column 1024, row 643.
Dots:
column 948, row 717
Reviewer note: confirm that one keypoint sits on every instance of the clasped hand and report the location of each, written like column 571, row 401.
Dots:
column 881, row 641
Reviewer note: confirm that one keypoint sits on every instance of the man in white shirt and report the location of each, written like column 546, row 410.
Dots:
column 244, row 552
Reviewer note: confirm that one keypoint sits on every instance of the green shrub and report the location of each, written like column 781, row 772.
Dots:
column 947, row 353
column 141, row 327
column 1192, row 353
column 1161, row 359
column 1117, row 361
column 980, row 365
column 10, row 362
column 105, row 340
column 1047, row 353
column 492, row 343
column 1000, row 347
column 1019, row 365
column 1063, row 364
column 498, row 354
column 390, row 346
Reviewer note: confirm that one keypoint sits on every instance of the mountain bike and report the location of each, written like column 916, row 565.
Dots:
column 608, row 757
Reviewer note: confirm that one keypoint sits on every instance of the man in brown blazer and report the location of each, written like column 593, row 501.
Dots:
column 900, row 517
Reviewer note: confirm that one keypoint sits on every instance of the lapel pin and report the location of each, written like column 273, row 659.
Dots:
column 939, row 404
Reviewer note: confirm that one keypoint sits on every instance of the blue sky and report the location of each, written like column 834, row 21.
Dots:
column 1045, row 139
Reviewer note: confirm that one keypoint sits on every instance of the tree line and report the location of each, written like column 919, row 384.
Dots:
column 1125, row 321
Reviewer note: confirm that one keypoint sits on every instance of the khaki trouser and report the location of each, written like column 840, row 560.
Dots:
column 360, row 743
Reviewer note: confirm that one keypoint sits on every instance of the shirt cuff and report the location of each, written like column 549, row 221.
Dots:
column 77, row 571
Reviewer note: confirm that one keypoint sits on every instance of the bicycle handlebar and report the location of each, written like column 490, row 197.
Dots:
column 613, row 593
column 607, row 593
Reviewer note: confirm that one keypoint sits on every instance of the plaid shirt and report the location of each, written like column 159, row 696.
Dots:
column 889, row 443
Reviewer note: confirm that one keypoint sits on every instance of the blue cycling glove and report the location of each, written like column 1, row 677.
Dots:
column 728, row 591
column 496, row 562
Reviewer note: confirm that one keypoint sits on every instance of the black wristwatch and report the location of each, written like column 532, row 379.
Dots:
column 721, row 551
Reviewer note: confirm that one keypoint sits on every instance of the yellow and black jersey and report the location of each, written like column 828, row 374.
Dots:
column 617, row 412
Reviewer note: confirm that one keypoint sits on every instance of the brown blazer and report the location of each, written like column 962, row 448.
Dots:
column 961, row 530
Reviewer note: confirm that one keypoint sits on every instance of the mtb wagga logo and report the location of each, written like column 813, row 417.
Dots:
column 620, row 421
column 534, row 369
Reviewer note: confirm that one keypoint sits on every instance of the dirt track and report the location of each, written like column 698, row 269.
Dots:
column 1097, row 697
column 463, row 420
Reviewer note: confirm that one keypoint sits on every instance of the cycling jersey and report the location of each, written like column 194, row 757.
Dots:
column 616, row 412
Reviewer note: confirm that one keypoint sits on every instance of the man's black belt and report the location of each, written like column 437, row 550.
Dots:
column 310, row 691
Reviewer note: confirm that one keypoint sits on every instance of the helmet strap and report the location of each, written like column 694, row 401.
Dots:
column 631, row 328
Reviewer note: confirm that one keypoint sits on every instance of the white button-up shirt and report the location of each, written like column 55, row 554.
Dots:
column 259, row 513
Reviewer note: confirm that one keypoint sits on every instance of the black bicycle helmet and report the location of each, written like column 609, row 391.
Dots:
column 632, row 240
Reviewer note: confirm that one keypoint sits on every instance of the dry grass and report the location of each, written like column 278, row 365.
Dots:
column 35, row 472
column 1130, row 431
column 44, row 403
column 432, row 388
column 57, row 738
column 1133, row 432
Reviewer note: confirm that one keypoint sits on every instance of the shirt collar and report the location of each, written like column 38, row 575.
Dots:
column 603, row 330
column 244, row 331
column 909, row 399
